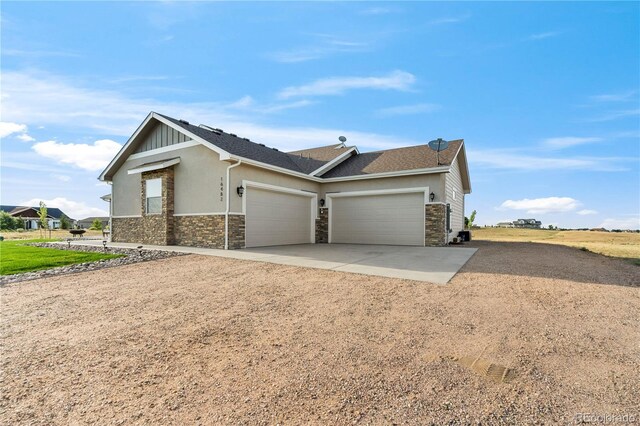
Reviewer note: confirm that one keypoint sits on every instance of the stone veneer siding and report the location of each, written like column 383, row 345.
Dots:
column 199, row 231
column 154, row 229
column 322, row 226
column 126, row 230
column 236, row 231
column 435, row 223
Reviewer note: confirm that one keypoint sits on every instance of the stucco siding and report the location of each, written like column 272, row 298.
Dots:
column 453, row 183
column 198, row 185
column 256, row 174
column 433, row 181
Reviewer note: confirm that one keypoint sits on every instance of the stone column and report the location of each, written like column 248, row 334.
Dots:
column 435, row 224
column 322, row 226
column 158, row 228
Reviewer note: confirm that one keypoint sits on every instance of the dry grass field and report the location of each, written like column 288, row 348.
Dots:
column 58, row 234
column 614, row 244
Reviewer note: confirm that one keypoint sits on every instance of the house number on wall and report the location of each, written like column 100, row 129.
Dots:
column 221, row 189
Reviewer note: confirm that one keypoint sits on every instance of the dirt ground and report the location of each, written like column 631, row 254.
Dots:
column 205, row 340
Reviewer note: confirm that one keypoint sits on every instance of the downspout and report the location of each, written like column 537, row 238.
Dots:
column 226, row 211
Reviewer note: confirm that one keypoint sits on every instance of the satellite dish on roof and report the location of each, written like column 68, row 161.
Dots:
column 438, row 145
column 342, row 139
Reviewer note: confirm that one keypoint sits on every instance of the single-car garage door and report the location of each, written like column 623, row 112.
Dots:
column 393, row 219
column 277, row 218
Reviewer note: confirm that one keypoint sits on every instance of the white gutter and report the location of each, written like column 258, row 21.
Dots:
column 226, row 211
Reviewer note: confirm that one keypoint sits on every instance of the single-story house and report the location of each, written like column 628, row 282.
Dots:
column 88, row 221
column 194, row 185
column 30, row 216
column 521, row 223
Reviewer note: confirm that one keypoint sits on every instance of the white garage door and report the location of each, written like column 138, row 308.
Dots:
column 393, row 219
column 277, row 218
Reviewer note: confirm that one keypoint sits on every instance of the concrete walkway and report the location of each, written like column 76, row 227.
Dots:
column 431, row 264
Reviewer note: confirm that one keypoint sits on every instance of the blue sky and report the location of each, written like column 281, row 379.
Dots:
column 546, row 95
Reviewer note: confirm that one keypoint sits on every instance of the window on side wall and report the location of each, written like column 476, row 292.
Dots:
column 153, row 192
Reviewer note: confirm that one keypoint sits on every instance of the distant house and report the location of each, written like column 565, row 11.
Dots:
column 30, row 218
column 521, row 223
column 505, row 225
column 88, row 221
column 527, row 223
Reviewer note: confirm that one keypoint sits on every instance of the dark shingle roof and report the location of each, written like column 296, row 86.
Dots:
column 8, row 209
column 393, row 160
column 51, row 211
column 307, row 160
column 252, row 150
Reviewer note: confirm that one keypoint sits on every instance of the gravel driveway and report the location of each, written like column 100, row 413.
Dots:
column 208, row 340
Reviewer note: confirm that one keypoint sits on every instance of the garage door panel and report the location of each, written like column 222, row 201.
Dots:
column 277, row 218
column 394, row 219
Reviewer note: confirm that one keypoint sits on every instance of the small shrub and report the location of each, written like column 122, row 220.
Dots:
column 584, row 249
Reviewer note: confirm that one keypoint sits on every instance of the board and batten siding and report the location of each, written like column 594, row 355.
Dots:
column 454, row 183
column 161, row 136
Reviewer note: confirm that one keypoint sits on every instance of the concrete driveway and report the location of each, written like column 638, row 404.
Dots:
column 432, row 264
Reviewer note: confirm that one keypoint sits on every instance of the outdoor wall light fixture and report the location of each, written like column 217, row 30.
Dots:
column 240, row 191
column 321, row 202
column 432, row 197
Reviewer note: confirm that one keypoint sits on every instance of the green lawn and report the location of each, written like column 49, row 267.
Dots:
column 16, row 258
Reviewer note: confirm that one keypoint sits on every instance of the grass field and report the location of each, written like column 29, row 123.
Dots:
column 614, row 244
column 16, row 258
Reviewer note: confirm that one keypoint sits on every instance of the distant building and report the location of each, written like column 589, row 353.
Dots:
column 31, row 219
column 527, row 223
column 505, row 225
column 88, row 221
column 521, row 223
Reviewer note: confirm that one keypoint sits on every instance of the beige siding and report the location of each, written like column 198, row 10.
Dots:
column 197, row 185
column 453, row 182
column 434, row 182
column 255, row 174
column 160, row 136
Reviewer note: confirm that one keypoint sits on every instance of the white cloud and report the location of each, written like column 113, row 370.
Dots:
column 449, row 19
column 7, row 129
column 19, row 130
column 618, row 223
column 542, row 205
column 321, row 46
column 542, row 36
column 61, row 178
column 407, row 110
column 85, row 156
column 25, row 138
column 586, row 212
column 501, row 159
column 51, row 101
column 378, row 11
column 74, row 209
column 615, row 97
column 615, row 115
column 396, row 80
column 568, row 141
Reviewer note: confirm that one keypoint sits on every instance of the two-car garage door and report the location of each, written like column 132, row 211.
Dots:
column 393, row 219
column 280, row 217
column 276, row 218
